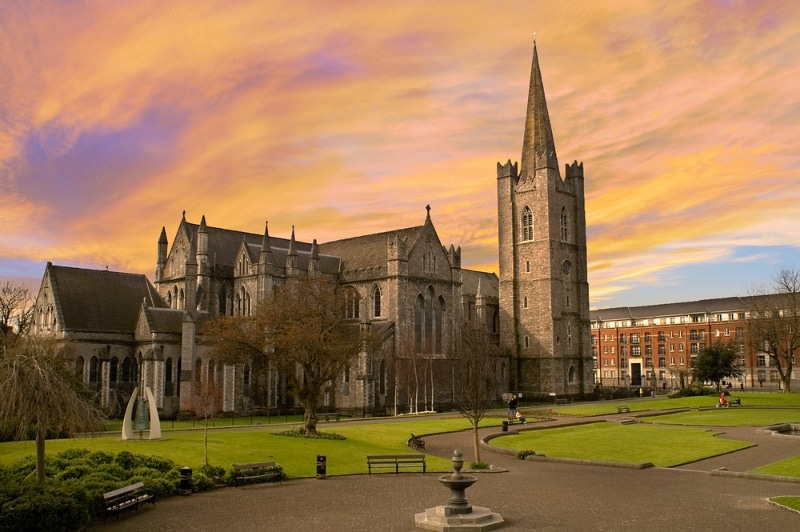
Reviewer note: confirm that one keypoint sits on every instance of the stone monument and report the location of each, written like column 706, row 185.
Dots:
column 458, row 513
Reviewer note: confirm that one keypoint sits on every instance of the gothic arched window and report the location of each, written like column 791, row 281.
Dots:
column 438, row 325
column 79, row 368
column 351, row 304
column 376, row 302
column 527, row 224
column 564, row 225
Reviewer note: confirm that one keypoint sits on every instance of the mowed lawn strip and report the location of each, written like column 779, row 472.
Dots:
column 664, row 446
column 660, row 402
column 785, row 468
column 298, row 456
column 728, row 417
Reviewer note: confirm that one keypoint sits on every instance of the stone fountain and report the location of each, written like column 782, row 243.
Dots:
column 458, row 513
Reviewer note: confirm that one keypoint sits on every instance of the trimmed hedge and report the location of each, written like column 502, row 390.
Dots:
column 72, row 496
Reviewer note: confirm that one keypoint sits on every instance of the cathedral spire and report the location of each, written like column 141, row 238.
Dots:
column 538, row 147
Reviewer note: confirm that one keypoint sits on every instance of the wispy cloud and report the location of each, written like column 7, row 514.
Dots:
column 346, row 120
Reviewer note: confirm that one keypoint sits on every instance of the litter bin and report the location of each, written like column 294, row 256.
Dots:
column 505, row 426
column 321, row 466
column 185, row 486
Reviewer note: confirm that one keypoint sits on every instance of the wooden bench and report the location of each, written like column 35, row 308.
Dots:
column 622, row 409
column 264, row 471
column 127, row 498
column 735, row 401
column 328, row 417
column 562, row 401
column 396, row 461
column 416, row 443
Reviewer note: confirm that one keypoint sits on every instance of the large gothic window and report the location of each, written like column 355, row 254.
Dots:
column 127, row 370
column 564, row 225
column 438, row 325
column 527, row 224
column 113, row 370
column 376, row 302
column 382, row 378
column 94, row 366
column 351, row 303
column 79, row 368
column 419, row 316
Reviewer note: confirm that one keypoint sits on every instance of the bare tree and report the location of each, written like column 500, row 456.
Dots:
column 39, row 391
column 206, row 403
column 302, row 330
column 773, row 323
column 476, row 378
column 16, row 311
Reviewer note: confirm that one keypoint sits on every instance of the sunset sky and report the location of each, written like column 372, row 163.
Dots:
column 115, row 116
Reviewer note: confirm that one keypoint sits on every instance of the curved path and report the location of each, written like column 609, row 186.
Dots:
column 531, row 496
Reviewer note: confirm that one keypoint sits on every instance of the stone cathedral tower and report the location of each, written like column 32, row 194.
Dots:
column 544, row 291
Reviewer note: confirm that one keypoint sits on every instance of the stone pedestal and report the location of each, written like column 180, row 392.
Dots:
column 441, row 518
column 458, row 513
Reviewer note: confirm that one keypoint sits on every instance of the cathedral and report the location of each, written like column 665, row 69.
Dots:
column 405, row 285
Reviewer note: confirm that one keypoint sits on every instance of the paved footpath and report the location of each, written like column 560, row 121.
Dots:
column 531, row 496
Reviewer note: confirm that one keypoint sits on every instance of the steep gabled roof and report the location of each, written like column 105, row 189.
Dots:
column 224, row 245
column 368, row 250
column 99, row 300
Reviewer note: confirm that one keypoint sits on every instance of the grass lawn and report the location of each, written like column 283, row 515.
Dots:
column 636, row 404
column 664, row 446
column 729, row 417
column 789, row 502
column 785, row 468
column 296, row 455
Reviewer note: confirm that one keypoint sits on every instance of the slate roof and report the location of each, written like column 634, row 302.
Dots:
column 707, row 306
column 368, row 250
column 165, row 320
column 489, row 283
column 223, row 246
column 99, row 300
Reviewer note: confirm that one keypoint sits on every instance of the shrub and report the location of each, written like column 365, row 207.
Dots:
column 300, row 433
column 126, row 459
column 45, row 507
column 522, row 454
column 156, row 462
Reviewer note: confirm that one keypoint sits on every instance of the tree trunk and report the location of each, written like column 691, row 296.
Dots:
column 40, row 437
column 310, row 418
column 476, row 442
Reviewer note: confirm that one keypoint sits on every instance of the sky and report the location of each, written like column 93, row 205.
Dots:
column 348, row 118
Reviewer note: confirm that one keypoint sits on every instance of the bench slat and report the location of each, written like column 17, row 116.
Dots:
column 396, row 460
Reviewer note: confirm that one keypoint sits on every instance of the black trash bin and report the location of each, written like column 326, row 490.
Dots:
column 505, row 426
column 185, row 486
column 321, row 466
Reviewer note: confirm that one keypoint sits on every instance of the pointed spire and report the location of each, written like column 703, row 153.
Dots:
column 266, row 246
column 202, row 228
column 163, row 238
column 538, row 148
column 292, row 245
column 313, row 260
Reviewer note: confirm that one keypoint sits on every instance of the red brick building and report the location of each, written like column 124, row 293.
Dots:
column 653, row 346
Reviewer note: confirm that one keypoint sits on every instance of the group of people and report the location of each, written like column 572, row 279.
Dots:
column 512, row 410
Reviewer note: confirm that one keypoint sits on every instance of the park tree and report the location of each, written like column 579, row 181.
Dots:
column 476, row 381
column 715, row 362
column 41, row 394
column 206, row 403
column 301, row 331
column 773, row 323
column 16, row 311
